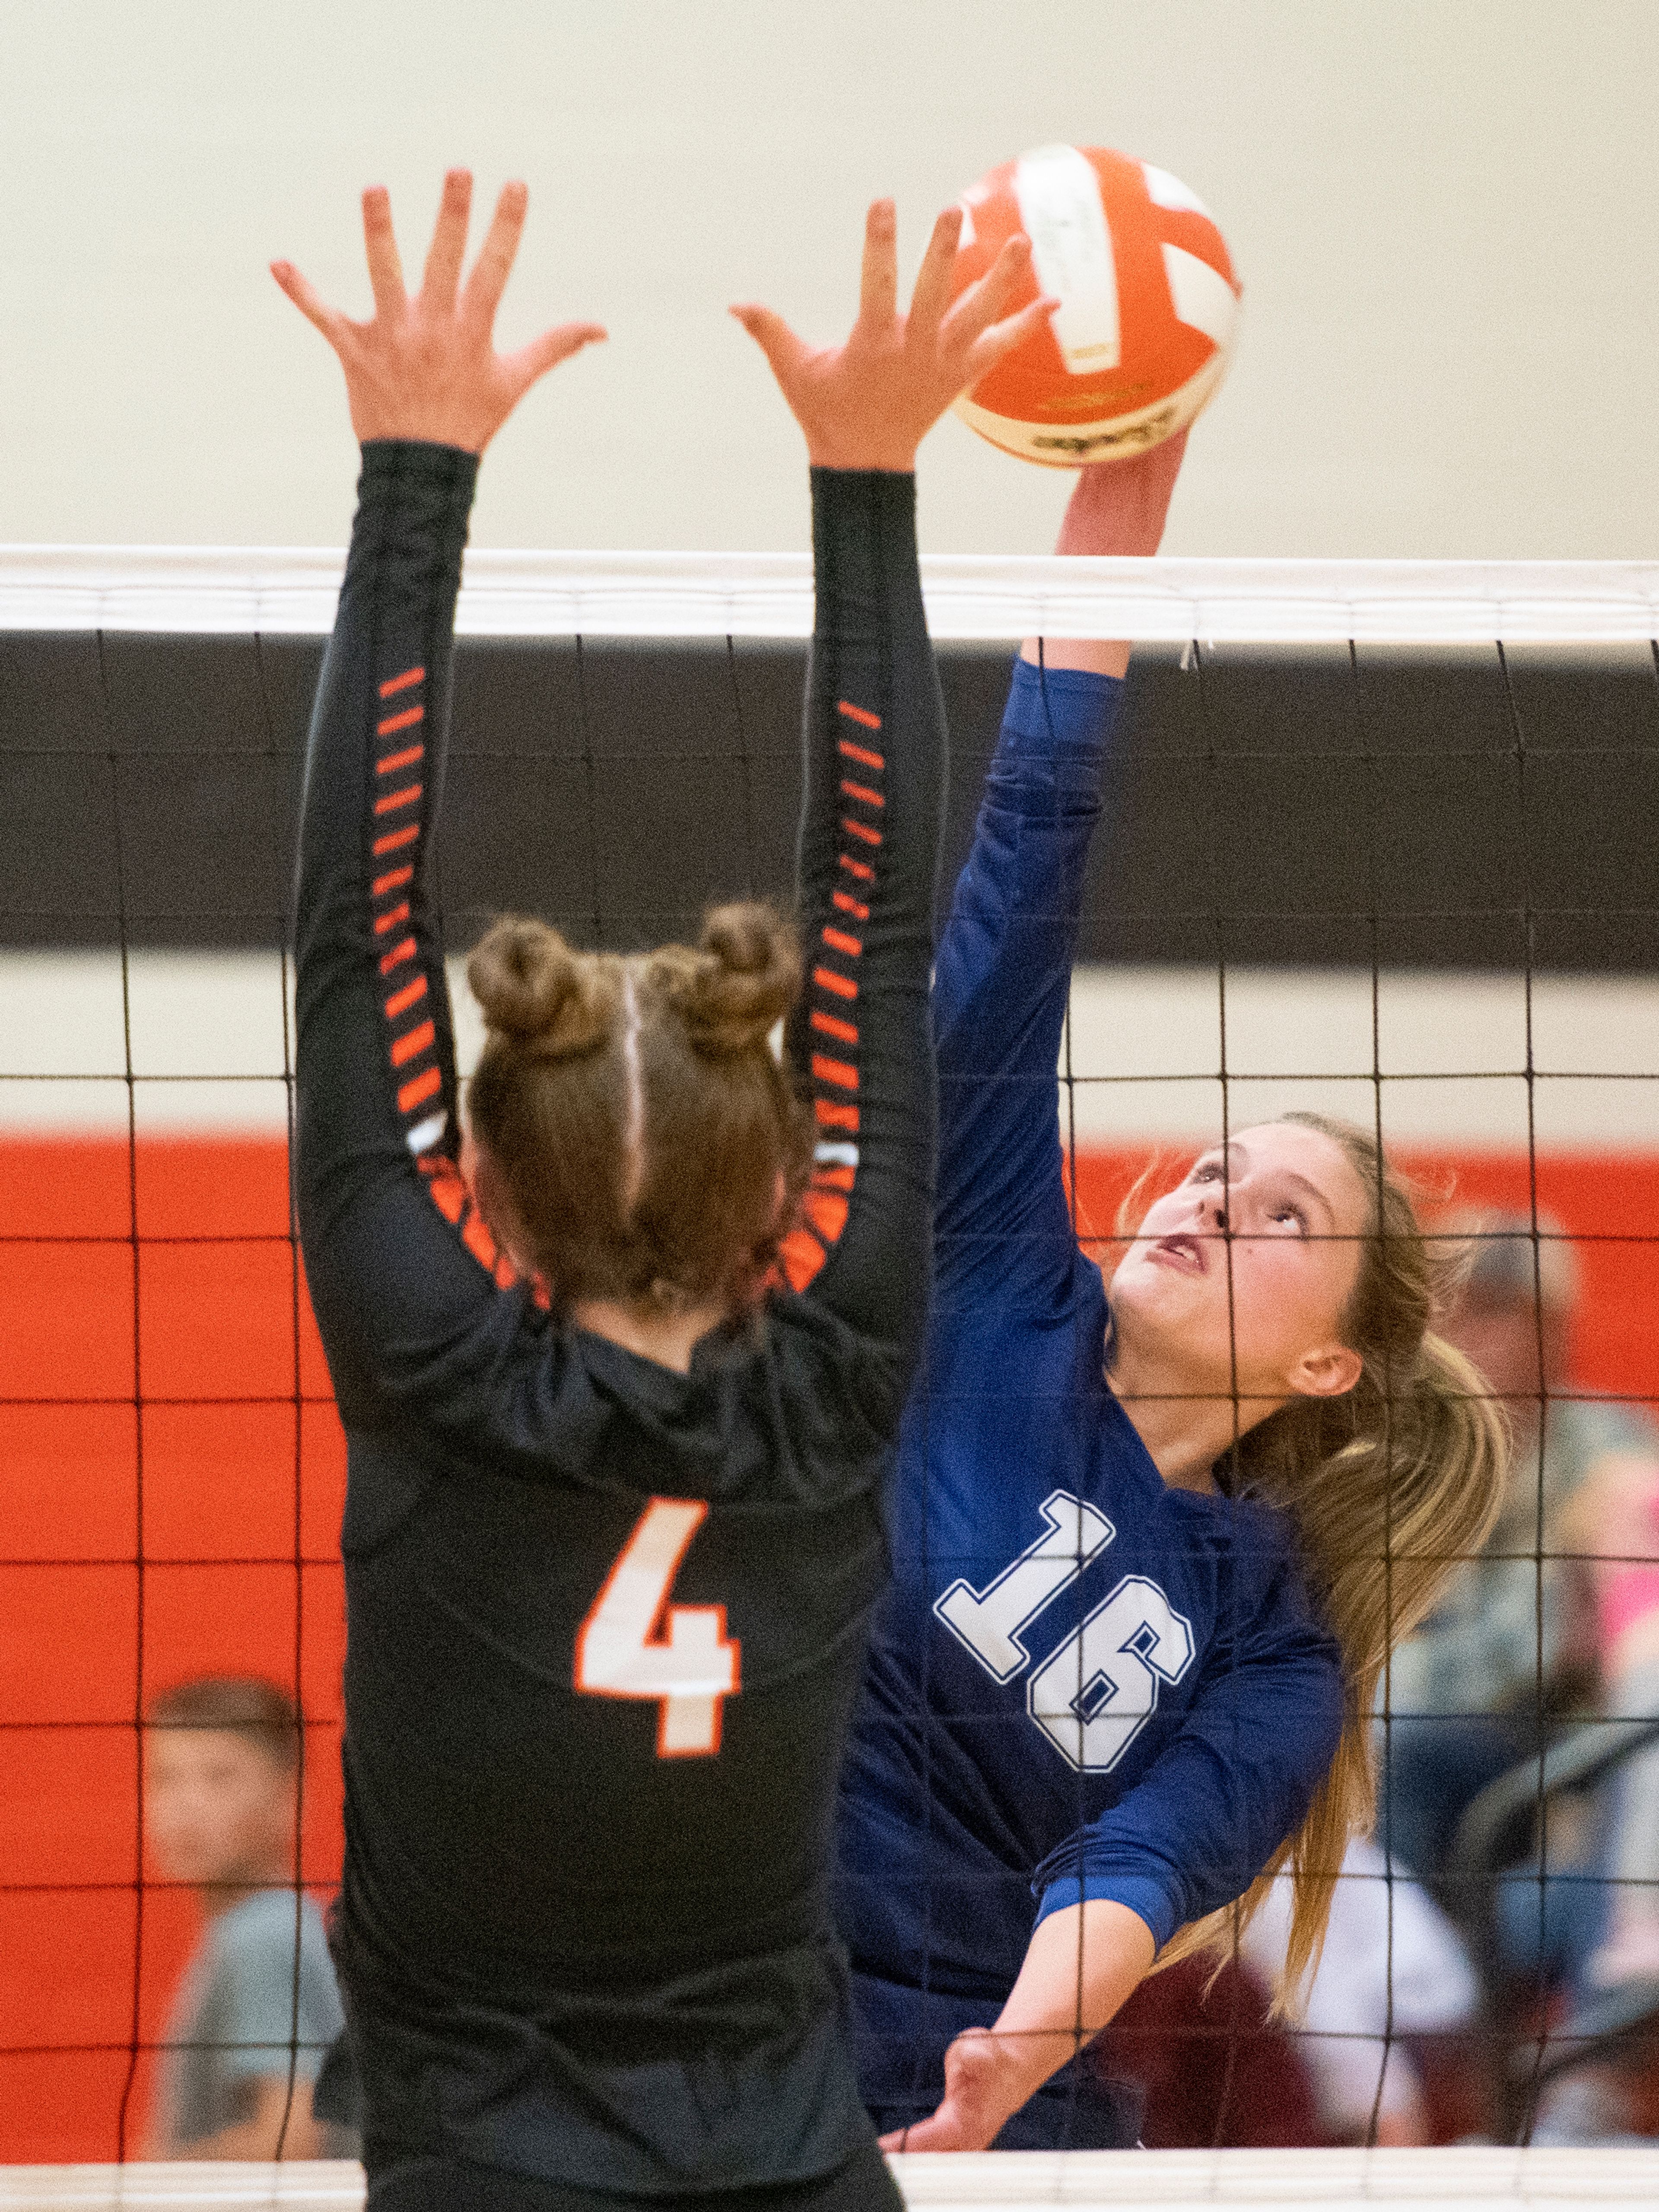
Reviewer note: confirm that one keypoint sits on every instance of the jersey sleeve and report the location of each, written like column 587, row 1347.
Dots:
column 860, row 1041
column 999, row 995
column 1205, row 1820
column 396, row 1261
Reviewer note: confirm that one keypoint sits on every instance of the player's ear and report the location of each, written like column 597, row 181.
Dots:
column 1329, row 1371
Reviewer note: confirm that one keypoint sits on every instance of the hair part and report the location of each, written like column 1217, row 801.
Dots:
column 635, row 1111
column 245, row 1705
column 1391, row 1487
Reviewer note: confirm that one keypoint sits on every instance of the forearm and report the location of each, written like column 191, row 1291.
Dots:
column 1116, row 507
column 869, row 830
column 1082, row 1964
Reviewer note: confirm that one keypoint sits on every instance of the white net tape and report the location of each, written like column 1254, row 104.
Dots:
column 225, row 589
column 1161, row 2181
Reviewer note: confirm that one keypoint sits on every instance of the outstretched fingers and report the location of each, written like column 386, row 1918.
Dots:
column 494, row 265
column 546, row 352
column 310, row 302
column 442, row 274
column 987, row 302
column 990, row 346
column 784, row 351
column 386, row 272
column 933, row 294
column 878, row 274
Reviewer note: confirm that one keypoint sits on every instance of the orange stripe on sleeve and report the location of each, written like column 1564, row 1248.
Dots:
column 418, row 1089
column 834, row 1178
column 830, row 1114
column 398, row 955
column 413, row 1042
column 825, row 1070
column 395, row 838
column 479, row 1243
column 448, row 1191
column 848, row 904
column 401, row 1001
column 861, row 754
column 862, row 792
column 858, row 713
column 406, row 721
column 853, row 829
column 839, row 941
column 802, row 1256
column 393, row 800
column 831, row 1026
column 862, row 869
column 408, row 757
column 842, row 985
column 396, row 684
column 827, row 1211
column 390, row 921
column 390, row 881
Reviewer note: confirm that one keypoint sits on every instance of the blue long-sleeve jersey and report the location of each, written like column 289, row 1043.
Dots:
column 1083, row 1683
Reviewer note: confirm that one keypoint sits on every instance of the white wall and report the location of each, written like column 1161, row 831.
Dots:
column 1446, row 213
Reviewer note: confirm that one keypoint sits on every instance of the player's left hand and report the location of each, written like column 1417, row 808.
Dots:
column 985, row 2085
column 427, row 368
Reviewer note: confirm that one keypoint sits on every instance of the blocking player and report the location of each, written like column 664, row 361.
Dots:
column 1152, row 1543
column 611, row 1531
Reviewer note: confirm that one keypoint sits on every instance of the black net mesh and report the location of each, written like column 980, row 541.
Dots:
column 1310, row 859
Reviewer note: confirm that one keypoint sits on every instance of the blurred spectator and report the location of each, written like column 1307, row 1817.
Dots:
column 1614, row 1521
column 1511, row 1650
column 1211, row 2067
column 1393, row 1969
column 251, row 2020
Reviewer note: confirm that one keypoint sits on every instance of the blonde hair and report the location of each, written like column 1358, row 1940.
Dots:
column 1390, row 1487
column 634, row 1110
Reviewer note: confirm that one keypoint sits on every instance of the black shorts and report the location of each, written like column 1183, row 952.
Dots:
column 441, row 2184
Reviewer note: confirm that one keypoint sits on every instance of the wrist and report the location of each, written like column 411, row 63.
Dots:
column 856, row 460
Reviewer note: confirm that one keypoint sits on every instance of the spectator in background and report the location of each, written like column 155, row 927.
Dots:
column 1394, row 1970
column 251, row 2020
column 1511, row 1650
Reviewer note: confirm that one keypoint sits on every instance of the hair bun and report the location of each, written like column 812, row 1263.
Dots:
column 742, row 980
column 551, row 1002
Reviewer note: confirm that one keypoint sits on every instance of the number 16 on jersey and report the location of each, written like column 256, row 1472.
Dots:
column 634, row 1643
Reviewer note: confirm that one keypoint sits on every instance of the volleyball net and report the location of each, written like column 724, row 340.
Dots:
column 1380, row 842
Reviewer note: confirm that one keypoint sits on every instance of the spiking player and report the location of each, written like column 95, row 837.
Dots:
column 610, row 1551
column 1141, row 1600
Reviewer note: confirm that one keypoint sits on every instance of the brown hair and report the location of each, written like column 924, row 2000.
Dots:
column 234, row 1704
column 635, row 1109
column 1391, row 1487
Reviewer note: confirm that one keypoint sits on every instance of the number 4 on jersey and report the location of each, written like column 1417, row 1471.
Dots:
column 634, row 1644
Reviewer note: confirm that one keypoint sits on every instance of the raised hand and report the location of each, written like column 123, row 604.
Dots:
column 427, row 368
column 868, row 404
column 1120, row 506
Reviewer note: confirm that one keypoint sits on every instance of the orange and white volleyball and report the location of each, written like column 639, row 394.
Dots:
column 1148, row 305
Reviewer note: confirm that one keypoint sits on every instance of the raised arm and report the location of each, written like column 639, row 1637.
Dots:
column 1005, row 963
column 875, row 771
column 394, row 1255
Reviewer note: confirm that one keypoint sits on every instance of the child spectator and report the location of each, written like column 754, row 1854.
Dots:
column 250, row 2021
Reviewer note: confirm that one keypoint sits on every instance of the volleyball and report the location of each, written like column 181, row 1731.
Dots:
column 1148, row 305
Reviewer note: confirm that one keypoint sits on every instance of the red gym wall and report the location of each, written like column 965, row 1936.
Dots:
column 248, row 1474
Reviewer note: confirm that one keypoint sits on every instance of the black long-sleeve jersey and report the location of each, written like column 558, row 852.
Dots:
column 606, row 1621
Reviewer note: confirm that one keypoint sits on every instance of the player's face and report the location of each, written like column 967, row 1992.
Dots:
column 217, row 1808
column 1247, row 1267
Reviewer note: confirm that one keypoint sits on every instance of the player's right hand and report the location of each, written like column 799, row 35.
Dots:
column 427, row 368
column 868, row 404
